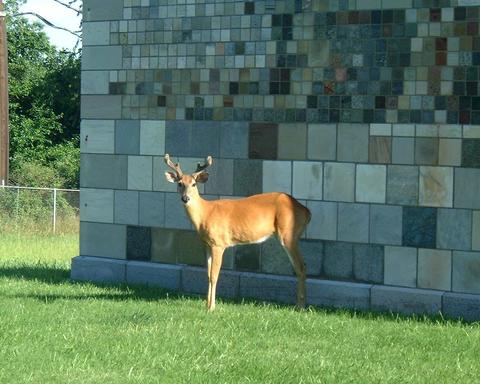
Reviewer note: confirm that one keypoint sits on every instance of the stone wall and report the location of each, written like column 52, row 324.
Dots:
column 367, row 111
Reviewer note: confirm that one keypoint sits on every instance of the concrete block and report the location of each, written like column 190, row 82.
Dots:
column 277, row 176
column 436, row 186
column 97, row 136
column 386, row 224
column 402, row 185
column 101, row 107
column 140, row 173
column 466, row 272
column 96, row 205
column 454, row 229
column 151, row 209
column 152, row 137
column 103, row 171
column 234, row 140
column 96, row 33
column 324, row 220
column 461, row 306
column 322, row 142
column 407, row 301
column 126, row 207
column 338, row 260
column 103, row 240
column 95, row 82
column 368, row 263
column 220, row 180
column 195, row 280
column 336, row 294
column 98, row 269
column 152, row 274
column 353, row 222
column 307, row 180
column 352, row 144
column 102, row 57
column 127, row 137
column 435, row 269
column 339, row 182
column 268, row 287
column 400, row 266
column 371, row 183
column 102, row 10
column 467, row 185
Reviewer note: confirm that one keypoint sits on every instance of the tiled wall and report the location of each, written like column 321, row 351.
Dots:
column 367, row 111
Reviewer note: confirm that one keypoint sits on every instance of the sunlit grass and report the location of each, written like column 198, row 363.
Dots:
column 56, row 331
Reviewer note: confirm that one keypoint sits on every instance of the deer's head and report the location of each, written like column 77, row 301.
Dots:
column 187, row 184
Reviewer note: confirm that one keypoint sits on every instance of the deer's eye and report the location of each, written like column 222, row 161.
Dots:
column 180, row 184
column 194, row 184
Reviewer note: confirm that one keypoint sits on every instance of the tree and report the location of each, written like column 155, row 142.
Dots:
column 44, row 95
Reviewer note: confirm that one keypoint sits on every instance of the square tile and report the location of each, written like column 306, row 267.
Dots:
column 248, row 176
column 436, row 186
column 138, row 243
column 403, row 150
column 386, row 224
column 220, row 180
column 322, row 142
column 292, row 141
column 175, row 213
column 274, row 258
column 96, row 205
column 450, row 152
column 466, row 272
column 263, row 141
column 162, row 245
column 151, row 212
column 352, row 144
column 471, row 153
column 126, row 207
column 97, row 136
column 103, row 240
column 419, row 227
column 152, row 137
column 189, row 249
column 338, row 260
column 435, row 269
column 140, row 173
column 339, row 182
column 380, row 150
column 312, row 252
column 234, row 140
column 368, row 263
column 277, row 176
column 247, row 257
column 402, row 185
column 324, row 220
column 476, row 231
column 426, row 150
column 401, row 266
column 307, row 180
column 353, row 222
column 103, row 171
column 127, row 137
column 467, row 185
column 454, row 229
column 371, row 183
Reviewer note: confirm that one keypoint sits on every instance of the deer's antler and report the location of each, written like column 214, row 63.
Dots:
column 175, row 167
column 201, row 168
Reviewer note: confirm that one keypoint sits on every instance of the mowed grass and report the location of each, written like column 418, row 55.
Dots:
column 56, row 331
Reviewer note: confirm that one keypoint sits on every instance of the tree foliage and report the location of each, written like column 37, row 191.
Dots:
column 44, row 97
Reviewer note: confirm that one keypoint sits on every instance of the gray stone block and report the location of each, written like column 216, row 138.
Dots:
column 183, row 138
column 220, row 180
column 322, row 142
column 96, row 205
column 195, row 280
column 127, row 137
column 368, row 263
column 426, row 151
column 339, row 182
column 386, row 224
column 454, row 229
column 352, row 142
column 402, row 185
column 97, row 136
column 175, row 213
column 102, row 57
column 406, row 301
column 151, row 211
column 104, row 240
column 436, row 186
column 139, row 243
column 312, row 252
column 467, row 185
column 101, row 107
column 126, row 207
column 234, row 140
column 461, row 306
column 307, row 180
column 403, row 150
column 98, row 269
column 248, row 178
column 353, row 222
column 102, row 10
column 323, row 224
column 400, row 266
column 274, row 259
column 336, row 294
column 435, row 269
column 95, row 33
column 140, row 173
column 268, row 287
column 153, row 274
column 95, row 82
column 338, row 260
column 466, row 272
column 103, row 171
column 371, row 183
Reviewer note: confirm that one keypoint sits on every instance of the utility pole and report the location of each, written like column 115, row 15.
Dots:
column 4, row 135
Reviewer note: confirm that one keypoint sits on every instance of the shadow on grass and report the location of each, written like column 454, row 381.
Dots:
column 58, row 275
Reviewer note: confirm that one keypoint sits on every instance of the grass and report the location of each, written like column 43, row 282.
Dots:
column 56, row 331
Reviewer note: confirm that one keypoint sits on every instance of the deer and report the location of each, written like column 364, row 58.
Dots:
column 225, row 223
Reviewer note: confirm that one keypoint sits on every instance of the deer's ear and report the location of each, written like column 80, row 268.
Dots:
column 171, row 177
column 201, row 177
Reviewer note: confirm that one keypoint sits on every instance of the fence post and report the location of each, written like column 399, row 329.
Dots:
column 17, row 207
column 54, row 209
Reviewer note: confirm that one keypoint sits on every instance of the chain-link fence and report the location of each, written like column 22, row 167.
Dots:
column 49, row 210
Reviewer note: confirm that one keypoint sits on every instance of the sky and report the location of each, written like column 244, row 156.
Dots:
column 58, row 15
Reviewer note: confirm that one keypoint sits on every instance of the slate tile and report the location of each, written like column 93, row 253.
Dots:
column 368, row 263
column 419, row 227
column 402, row 185
column 138, row 243
column 353, row 222
column 466, row 272
column 248, row 177
column 454, row 229
column 386, row 224
column 338, row 260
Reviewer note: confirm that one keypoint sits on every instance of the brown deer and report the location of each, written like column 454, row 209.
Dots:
column 225, row 223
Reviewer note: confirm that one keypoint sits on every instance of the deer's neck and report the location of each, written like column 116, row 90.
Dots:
column 197, row 210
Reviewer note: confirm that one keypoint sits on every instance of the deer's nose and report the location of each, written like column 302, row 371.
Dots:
column 185, row 199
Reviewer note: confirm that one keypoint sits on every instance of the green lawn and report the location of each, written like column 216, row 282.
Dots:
column 55, row 331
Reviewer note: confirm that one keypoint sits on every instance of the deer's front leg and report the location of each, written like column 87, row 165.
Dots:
column 213, row 266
